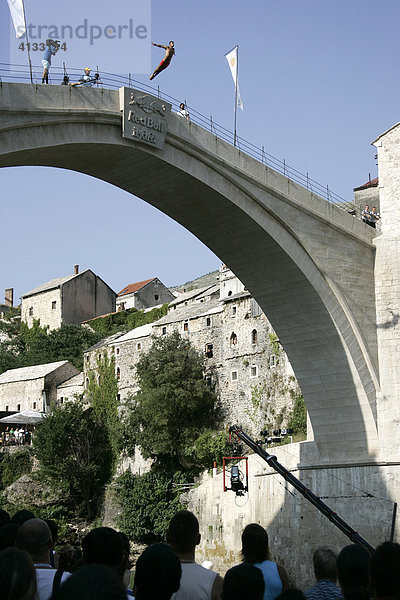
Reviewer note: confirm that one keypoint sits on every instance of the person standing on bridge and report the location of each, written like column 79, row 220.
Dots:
column 169, row 53
column 51, row 49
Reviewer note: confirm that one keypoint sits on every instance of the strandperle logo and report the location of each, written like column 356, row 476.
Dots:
column 87, row 31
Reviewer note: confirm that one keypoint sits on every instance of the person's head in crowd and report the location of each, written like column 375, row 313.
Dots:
column 34, row 536
column 104, row 546
column 53, row 526
column 291, row 594
column 243, row 581
column 21, row 516
column 4, row 517
column 183, row 532
column 17, row 575
column 158, row 573
column 385, row 571
column 91, row 582
column 324, row 560
column 255, row 547
column 353, row 572
column 69, row 558
column 8, row 535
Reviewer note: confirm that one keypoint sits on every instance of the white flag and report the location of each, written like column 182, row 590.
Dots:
column 232, row 58
column 18, row 16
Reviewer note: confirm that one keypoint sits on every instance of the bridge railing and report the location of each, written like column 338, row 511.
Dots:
column 20, row 73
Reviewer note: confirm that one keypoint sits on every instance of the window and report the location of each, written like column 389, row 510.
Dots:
column 234, row 375
column 34, row 405
column 118, row 373
column 253, row 371
column 7, row 408
column 117, row 351
column 209, row 380
column 233, row 340
column 98, row 380
column 164, row 331
column 208, row 321
column 139, row 346
column 186, row 326
column 31, row 311
column 155, row 296
column 118, row 397
column 272, row 361
column 233, row 312
column 18, row 407
column 53, row 305
column 254, row 337
column 62, row 400
column 209, row 351
column 87, row 383
column 229, row 293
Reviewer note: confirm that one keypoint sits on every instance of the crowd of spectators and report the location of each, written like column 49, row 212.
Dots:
column 32, row 567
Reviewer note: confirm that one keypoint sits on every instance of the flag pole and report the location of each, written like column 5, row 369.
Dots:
column 236, row 92
column 27, row 43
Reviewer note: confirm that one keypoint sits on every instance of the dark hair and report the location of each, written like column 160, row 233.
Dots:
column 158, row 573
column 243, row 581
column 8, row 535
column 385, row 570
column 324, row 560
column 291, row 594
column 69, row 558
column 183, row 531
column 4, row 517
column 53, row 526
column 21, row 516
column 353, row 572
column 103, row 546
column 92, row 582
column 126, row 546
column 254, row 544
column 17, row 575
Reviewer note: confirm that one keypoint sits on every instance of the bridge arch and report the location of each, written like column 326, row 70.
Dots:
column 308, row 264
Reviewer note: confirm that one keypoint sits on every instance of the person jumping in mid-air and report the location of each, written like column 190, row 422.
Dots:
column 169, row 53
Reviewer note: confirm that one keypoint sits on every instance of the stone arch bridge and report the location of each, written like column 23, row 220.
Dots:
column 309, row 264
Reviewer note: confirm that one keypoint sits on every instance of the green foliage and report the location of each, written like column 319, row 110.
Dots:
column 298, row 419
column 126, row 320
column 36, row 345
column 175, row 405
column 103, row 392
column 209, row 446
column 148, row 503
column 273, row 338
column 75, row 454
column 15, row 464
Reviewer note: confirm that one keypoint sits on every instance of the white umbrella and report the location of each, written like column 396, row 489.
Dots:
column 25, row 417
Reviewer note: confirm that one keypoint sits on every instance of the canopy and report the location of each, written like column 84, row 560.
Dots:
column 25, row 417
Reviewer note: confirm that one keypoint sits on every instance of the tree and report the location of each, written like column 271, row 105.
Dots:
column 298, row 418
column 75, row 454
column 174, row 405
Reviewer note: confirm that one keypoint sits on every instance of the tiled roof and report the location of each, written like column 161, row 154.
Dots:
column 138, row 332
column 51, row 285
column 192, row 311
column 201, row 292
column 105, row 341
column 372, row 183
column 26, row 373
column 134, row 287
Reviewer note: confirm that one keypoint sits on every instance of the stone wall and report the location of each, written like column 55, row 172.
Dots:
column 45, row 306
column 359, row 494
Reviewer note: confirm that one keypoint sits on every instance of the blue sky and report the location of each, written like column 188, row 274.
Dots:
column 319, row 81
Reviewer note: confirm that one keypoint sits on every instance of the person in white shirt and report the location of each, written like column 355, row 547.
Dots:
column 183, row 112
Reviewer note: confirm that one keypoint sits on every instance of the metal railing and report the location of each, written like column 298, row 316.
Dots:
column 20, row 73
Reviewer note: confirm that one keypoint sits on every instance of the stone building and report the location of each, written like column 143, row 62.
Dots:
column 243, row 357
column 70, row 389
column 368, row 193
column 33, row 388
column 144, row 294
column 71, row 300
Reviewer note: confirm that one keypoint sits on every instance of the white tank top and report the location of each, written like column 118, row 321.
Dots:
column 196, row 583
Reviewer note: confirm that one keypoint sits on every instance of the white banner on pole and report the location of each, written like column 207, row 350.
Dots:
column 18, row 16
column 232, row 58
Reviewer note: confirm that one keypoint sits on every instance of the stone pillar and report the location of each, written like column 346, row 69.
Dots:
column 387, row 287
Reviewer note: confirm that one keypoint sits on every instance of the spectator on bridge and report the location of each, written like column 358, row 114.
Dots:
column 325, row 571
column 373, row 217
column 353, row 572
column 243, row 581
column 158, row 573
column 50, row 50
column 17, row 575
column 366, row 215
column 87, row 80
column 255, row 551
column 385, row 571
column 183, row 536
column 183, row 112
